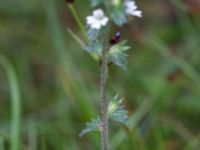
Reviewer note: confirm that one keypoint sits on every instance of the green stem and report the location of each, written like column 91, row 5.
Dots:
column 15, row 102
column 76, row 16
column 80, row 42
column 2, row 144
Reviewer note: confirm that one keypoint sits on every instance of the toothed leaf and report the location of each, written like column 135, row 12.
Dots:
column 92, row 34
column 94, row 125
column 95, row 3
column 117, row 112
column 117, row 12
column 117, row 54
column 94, row 47
column 119, row 18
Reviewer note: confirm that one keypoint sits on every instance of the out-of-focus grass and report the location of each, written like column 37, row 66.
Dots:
column 15, row 103
column 59, row 81
column 2, row 144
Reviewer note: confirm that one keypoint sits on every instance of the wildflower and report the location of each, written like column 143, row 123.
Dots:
column 97, row 20
column 131, row 9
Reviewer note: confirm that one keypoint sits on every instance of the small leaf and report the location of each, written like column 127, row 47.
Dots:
column 94, row 125
column 117, row 54
column 119, row 18
column 95, row 3
column 92, row 34
column 94, row 48
column 117, row 112
column 117, row 12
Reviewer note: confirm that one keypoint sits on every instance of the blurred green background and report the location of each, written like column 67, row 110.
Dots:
column 58, row 81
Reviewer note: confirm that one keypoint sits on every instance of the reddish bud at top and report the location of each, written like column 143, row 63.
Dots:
column 69, row 1
column 116, row 38
column 172, row 77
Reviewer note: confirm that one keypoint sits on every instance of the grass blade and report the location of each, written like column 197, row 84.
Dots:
column 15, row 102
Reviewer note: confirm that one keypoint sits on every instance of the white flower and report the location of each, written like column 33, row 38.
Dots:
column 97, row 20
column 131, row 9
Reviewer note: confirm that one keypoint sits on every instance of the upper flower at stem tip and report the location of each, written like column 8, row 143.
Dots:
column 97, row 20
column 131, row 8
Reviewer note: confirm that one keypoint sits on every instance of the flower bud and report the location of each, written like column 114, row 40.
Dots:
column 115, row 39
column 69, row 1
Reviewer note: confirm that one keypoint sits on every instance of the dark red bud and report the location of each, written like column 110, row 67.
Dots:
column 171, row 77
column 69, row 1
column 115, row 39
column 118, row 35
column 112, row 41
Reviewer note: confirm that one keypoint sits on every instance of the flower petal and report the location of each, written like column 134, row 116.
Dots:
column 104, row 21
column 96, row 25
column 130, row 5
column 98, row 13
column 131, row 8
column 90, row 20
column 137, row 13
column 97, row 20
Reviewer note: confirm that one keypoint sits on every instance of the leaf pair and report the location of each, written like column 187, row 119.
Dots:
column 116, row 54
column 116, row 112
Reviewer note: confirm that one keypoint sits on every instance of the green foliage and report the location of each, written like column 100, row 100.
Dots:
column 95, row 3
column 118, row 17
column 2, row 143
column 117, row 112
column 117, row 13
column 94, row 48
column 93, row 34
column 117, row 54
column 15, row 101
column 94, row 125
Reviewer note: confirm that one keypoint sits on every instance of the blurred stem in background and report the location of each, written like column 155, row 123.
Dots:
column 15, row 102
column 2, row 144
column 70, row 71
column 32, row 136
column 64, row 57
column 77, row 18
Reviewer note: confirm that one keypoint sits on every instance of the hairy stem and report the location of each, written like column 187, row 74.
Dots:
column 103, row 101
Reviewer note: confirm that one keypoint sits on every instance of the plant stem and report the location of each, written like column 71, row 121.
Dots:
column 2, row 144
column 78, row 20
column 103, row 102
column 15, row 102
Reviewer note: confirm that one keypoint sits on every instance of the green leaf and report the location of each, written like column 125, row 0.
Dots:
column 117, row 54
column 95, row 3
column 94, row 48
column 94, row 125
column 119, row 18
column 117, row 12
column 117, row 112
column 92, row 34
